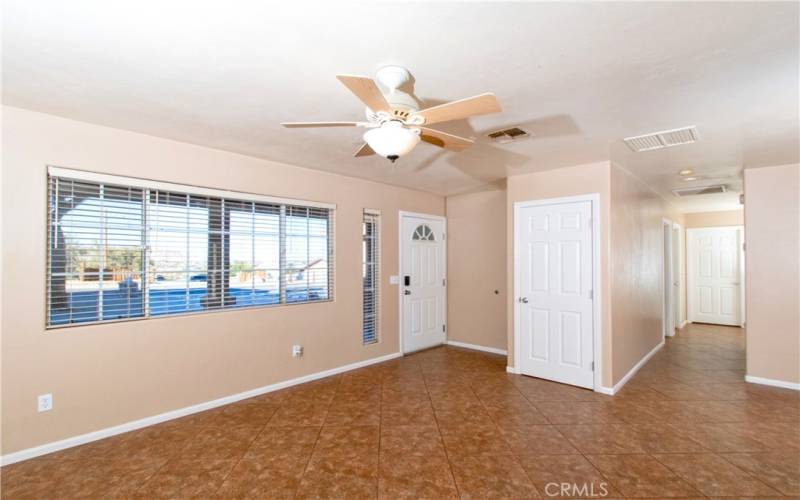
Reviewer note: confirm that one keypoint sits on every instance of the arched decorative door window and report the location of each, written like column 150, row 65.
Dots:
column 423, row 233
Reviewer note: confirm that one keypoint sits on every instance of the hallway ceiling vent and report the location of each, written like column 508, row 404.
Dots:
column 693, row 191
column 508, row 135
column 663, row 139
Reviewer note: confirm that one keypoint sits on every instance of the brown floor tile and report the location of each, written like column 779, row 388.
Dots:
column 411, row 441
column 658, row 438
column 779, row 470
column 249, row 412
column 712, row 475
column 420, row 414
column 276, row 477
column 352, row 477
column 473, row 439
column 498, row 476
column 474, row 415
column 354, row 413
column 347, row 441
column 641, row 476
column 289, row 442
column 302, row 414
column 526, row 415
column 603, row 439
column 415, row 477
column 571, row 412
column 187, row 478
column 720, row 437
column 581, row 479
column 218, row 443
column 536, row 439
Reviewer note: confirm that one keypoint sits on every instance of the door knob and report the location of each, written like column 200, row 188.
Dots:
column 523, row 300
column 406, row 292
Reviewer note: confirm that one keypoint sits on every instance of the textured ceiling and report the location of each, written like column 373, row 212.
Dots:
column 578, row 76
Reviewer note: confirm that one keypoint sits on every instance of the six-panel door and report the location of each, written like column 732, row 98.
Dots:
column 714, row 275
column 555, row 292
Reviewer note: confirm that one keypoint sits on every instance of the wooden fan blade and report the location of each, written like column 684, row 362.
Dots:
column 463, row 108
column 445, row 140
column 320, row 124
column 365, row 89
column 364, row 150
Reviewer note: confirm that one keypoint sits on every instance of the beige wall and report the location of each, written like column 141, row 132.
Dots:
column 636, row 268
column 572, row 181
column 772, row 267
column 476, row 267
column 715, row 219
column 105, row 375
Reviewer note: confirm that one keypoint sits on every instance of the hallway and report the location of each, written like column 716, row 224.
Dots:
column 449, row 423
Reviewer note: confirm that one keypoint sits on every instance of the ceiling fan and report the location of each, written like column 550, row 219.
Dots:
column 395, row 122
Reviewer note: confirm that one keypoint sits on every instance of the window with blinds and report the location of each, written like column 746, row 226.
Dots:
column 370, row 275
column 118, row 251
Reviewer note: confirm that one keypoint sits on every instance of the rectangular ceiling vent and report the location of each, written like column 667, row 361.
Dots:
column 693, row 191
column 508, row 135
column 663, row 139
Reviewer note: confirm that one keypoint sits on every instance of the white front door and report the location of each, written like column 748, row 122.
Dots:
column 554, row 281
column 714, row 275
column 422, row 281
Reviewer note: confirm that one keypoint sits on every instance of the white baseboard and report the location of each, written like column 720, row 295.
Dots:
column 476, row 347
column 613, row 390
column 512, row 369
column 772, row 382
column 684, row 323
column 44, row 449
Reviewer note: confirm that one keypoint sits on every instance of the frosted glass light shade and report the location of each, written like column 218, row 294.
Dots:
column 391, row 139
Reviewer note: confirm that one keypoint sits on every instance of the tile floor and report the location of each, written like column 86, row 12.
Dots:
column 448, row 423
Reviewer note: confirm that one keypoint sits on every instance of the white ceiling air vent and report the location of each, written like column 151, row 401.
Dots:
column 508, row 135
column 663, row 139
column 692, row 191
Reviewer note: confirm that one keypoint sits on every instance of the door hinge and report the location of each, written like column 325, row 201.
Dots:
column 444, row 328
column 444, row 281
column 592, row 366
column 444, row 236
column 591, row 294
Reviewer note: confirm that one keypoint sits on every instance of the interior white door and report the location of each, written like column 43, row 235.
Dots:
column 714, row 275
column 422, row 282
column 554, row 282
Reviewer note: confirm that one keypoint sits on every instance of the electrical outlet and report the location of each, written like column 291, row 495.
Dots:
column 45, row 402
column 297, row 351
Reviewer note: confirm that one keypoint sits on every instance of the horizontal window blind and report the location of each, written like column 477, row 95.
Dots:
column 370, row 275
column 121, row 252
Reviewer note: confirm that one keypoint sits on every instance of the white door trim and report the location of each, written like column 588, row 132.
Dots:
column 680, row 309
column 443, row 219
column 597, row 326
column 668, row 298
column 690, row 295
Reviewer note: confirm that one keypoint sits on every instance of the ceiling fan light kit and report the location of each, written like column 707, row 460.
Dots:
column 392, row 140
column 396, row 124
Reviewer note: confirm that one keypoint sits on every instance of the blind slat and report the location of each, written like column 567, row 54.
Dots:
column 126, row 252
column 370, row 276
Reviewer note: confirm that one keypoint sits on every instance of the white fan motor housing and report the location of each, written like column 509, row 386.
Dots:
column 392, row 78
